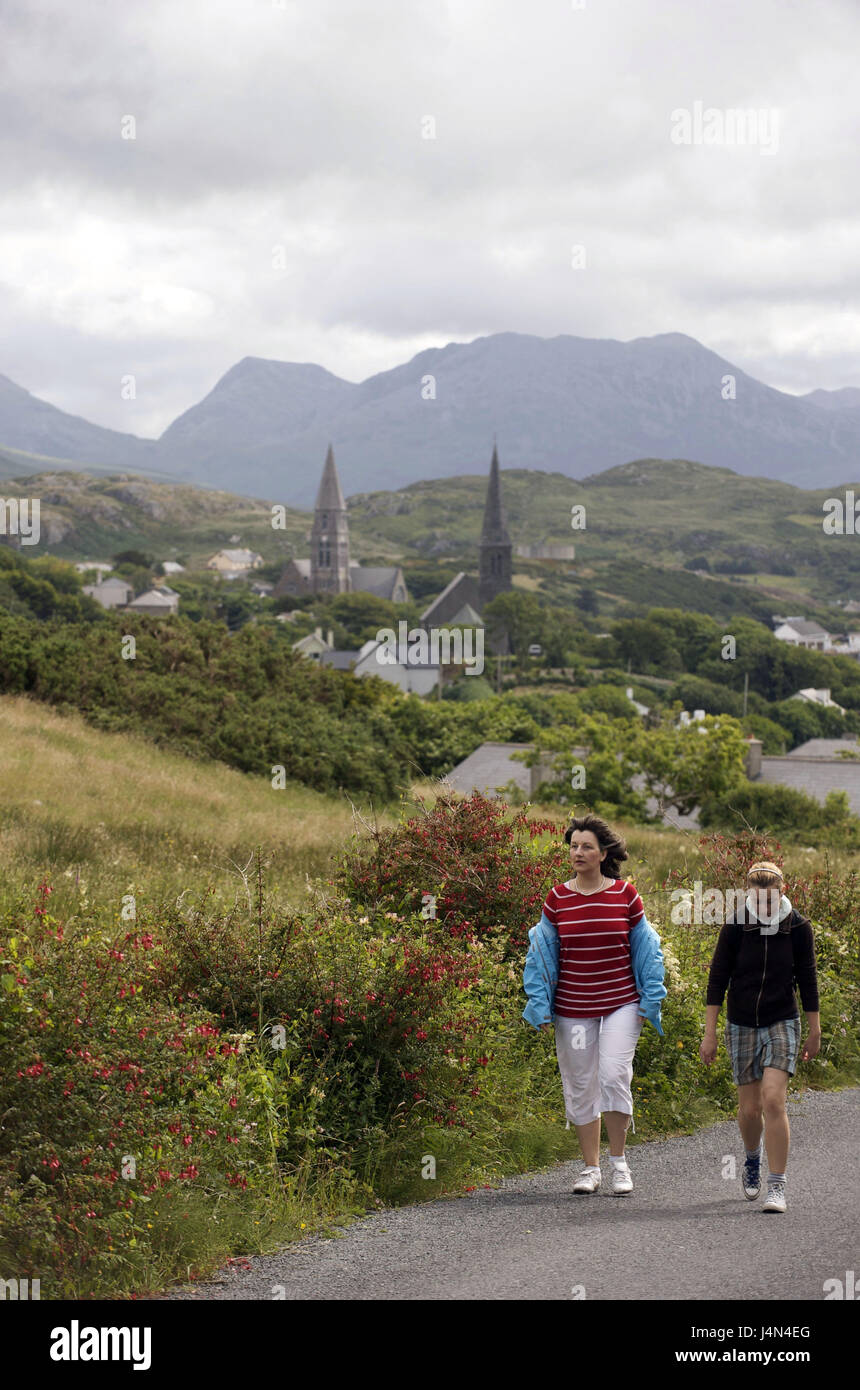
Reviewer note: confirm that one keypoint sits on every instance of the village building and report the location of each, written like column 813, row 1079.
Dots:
column 234, row 564
column 159, row 603
column 802, row 633
column 329, row 568
column 110, row 593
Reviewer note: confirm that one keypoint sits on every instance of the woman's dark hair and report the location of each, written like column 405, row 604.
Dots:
column 608, row 839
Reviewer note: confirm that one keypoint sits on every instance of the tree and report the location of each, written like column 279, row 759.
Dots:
column 518, row 614
column 646, row 645
column 685, row 766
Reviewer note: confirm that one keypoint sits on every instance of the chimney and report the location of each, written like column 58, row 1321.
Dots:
column 330, row 638
column 752, row 760
column 318, row 633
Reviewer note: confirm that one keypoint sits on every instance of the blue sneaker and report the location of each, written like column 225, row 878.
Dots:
column 751, row 1177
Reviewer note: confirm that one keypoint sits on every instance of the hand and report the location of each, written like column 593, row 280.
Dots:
column 812, row 1046
column 546, row 1027
column 708, row 1048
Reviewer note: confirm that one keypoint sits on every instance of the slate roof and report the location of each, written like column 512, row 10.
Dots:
column 824, row 748
column 374, row 579
column 815, row 776
column 463, row 591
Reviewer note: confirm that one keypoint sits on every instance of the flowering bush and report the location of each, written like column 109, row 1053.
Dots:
column 480, row 866
column 116, row 1099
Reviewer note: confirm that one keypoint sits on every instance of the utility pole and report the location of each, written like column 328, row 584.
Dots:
column 746, row 690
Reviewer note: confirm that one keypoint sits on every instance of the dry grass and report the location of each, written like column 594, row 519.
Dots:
column 74, row 797
column 75, row 800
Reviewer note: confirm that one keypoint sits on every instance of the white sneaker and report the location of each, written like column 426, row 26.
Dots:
column 622, row 1180
column 588, row 1180
column 775, row 1200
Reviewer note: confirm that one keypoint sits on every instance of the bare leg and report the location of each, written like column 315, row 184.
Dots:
column 750, row 1114
column 589, row 1142
column 616, row 1130
column 774, row 1085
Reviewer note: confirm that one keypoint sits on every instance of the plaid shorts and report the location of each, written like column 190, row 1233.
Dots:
column 753, row 1049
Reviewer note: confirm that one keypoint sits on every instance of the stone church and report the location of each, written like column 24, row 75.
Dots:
column 462, row 601
column 329, row 570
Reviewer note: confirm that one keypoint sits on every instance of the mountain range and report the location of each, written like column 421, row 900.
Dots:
column 576, row 406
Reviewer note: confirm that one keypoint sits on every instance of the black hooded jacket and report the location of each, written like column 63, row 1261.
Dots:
column 761, row 972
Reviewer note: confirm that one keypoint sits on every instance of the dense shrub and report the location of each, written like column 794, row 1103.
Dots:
column 785, row 810
column 470, row 865
column 119, row 1098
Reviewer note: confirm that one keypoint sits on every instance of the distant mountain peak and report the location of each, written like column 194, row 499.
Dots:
column 569, row 405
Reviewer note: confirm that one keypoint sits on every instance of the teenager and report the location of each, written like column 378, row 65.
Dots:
column 762, row 951
column 594, row 973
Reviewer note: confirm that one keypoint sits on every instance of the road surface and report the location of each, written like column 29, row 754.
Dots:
column 685, row 1231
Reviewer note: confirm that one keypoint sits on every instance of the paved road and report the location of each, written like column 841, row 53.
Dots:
column 685, row 1231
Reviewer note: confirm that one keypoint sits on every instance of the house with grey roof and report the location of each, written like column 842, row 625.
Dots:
column 110, row 593
column 410, row 672
column 801, row 633
column 234, row 564
column 156, row 603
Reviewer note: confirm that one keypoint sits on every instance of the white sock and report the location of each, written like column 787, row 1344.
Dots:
column 616, row 1161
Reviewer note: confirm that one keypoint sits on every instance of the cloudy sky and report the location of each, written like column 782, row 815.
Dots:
column 281, row 197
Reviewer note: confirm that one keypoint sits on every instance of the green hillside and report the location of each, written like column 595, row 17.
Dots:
column 657, row 532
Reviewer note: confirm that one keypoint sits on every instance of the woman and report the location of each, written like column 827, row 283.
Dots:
column 594, row 971
column 761, row 951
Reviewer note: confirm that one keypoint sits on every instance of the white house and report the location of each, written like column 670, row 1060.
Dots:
column 850, row 647
column 314, row 644
column 172, row 567
column 414, row 677
column 817, row 697
column 801, row 633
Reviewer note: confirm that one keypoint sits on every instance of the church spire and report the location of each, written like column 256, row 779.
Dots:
column 496, row 551
column 330, row 497
column 495, row 529
column 330, row 568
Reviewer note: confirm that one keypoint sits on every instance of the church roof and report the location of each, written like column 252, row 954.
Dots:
column 495, row 528
column 374, row 579
column 462, row 592
column 329, row 496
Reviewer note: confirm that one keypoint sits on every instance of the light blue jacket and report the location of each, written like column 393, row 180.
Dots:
column 540, row 975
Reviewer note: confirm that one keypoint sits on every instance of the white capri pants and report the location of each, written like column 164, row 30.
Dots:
column 595, row 1058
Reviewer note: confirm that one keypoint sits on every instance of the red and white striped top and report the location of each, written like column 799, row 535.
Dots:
column 595, row 971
